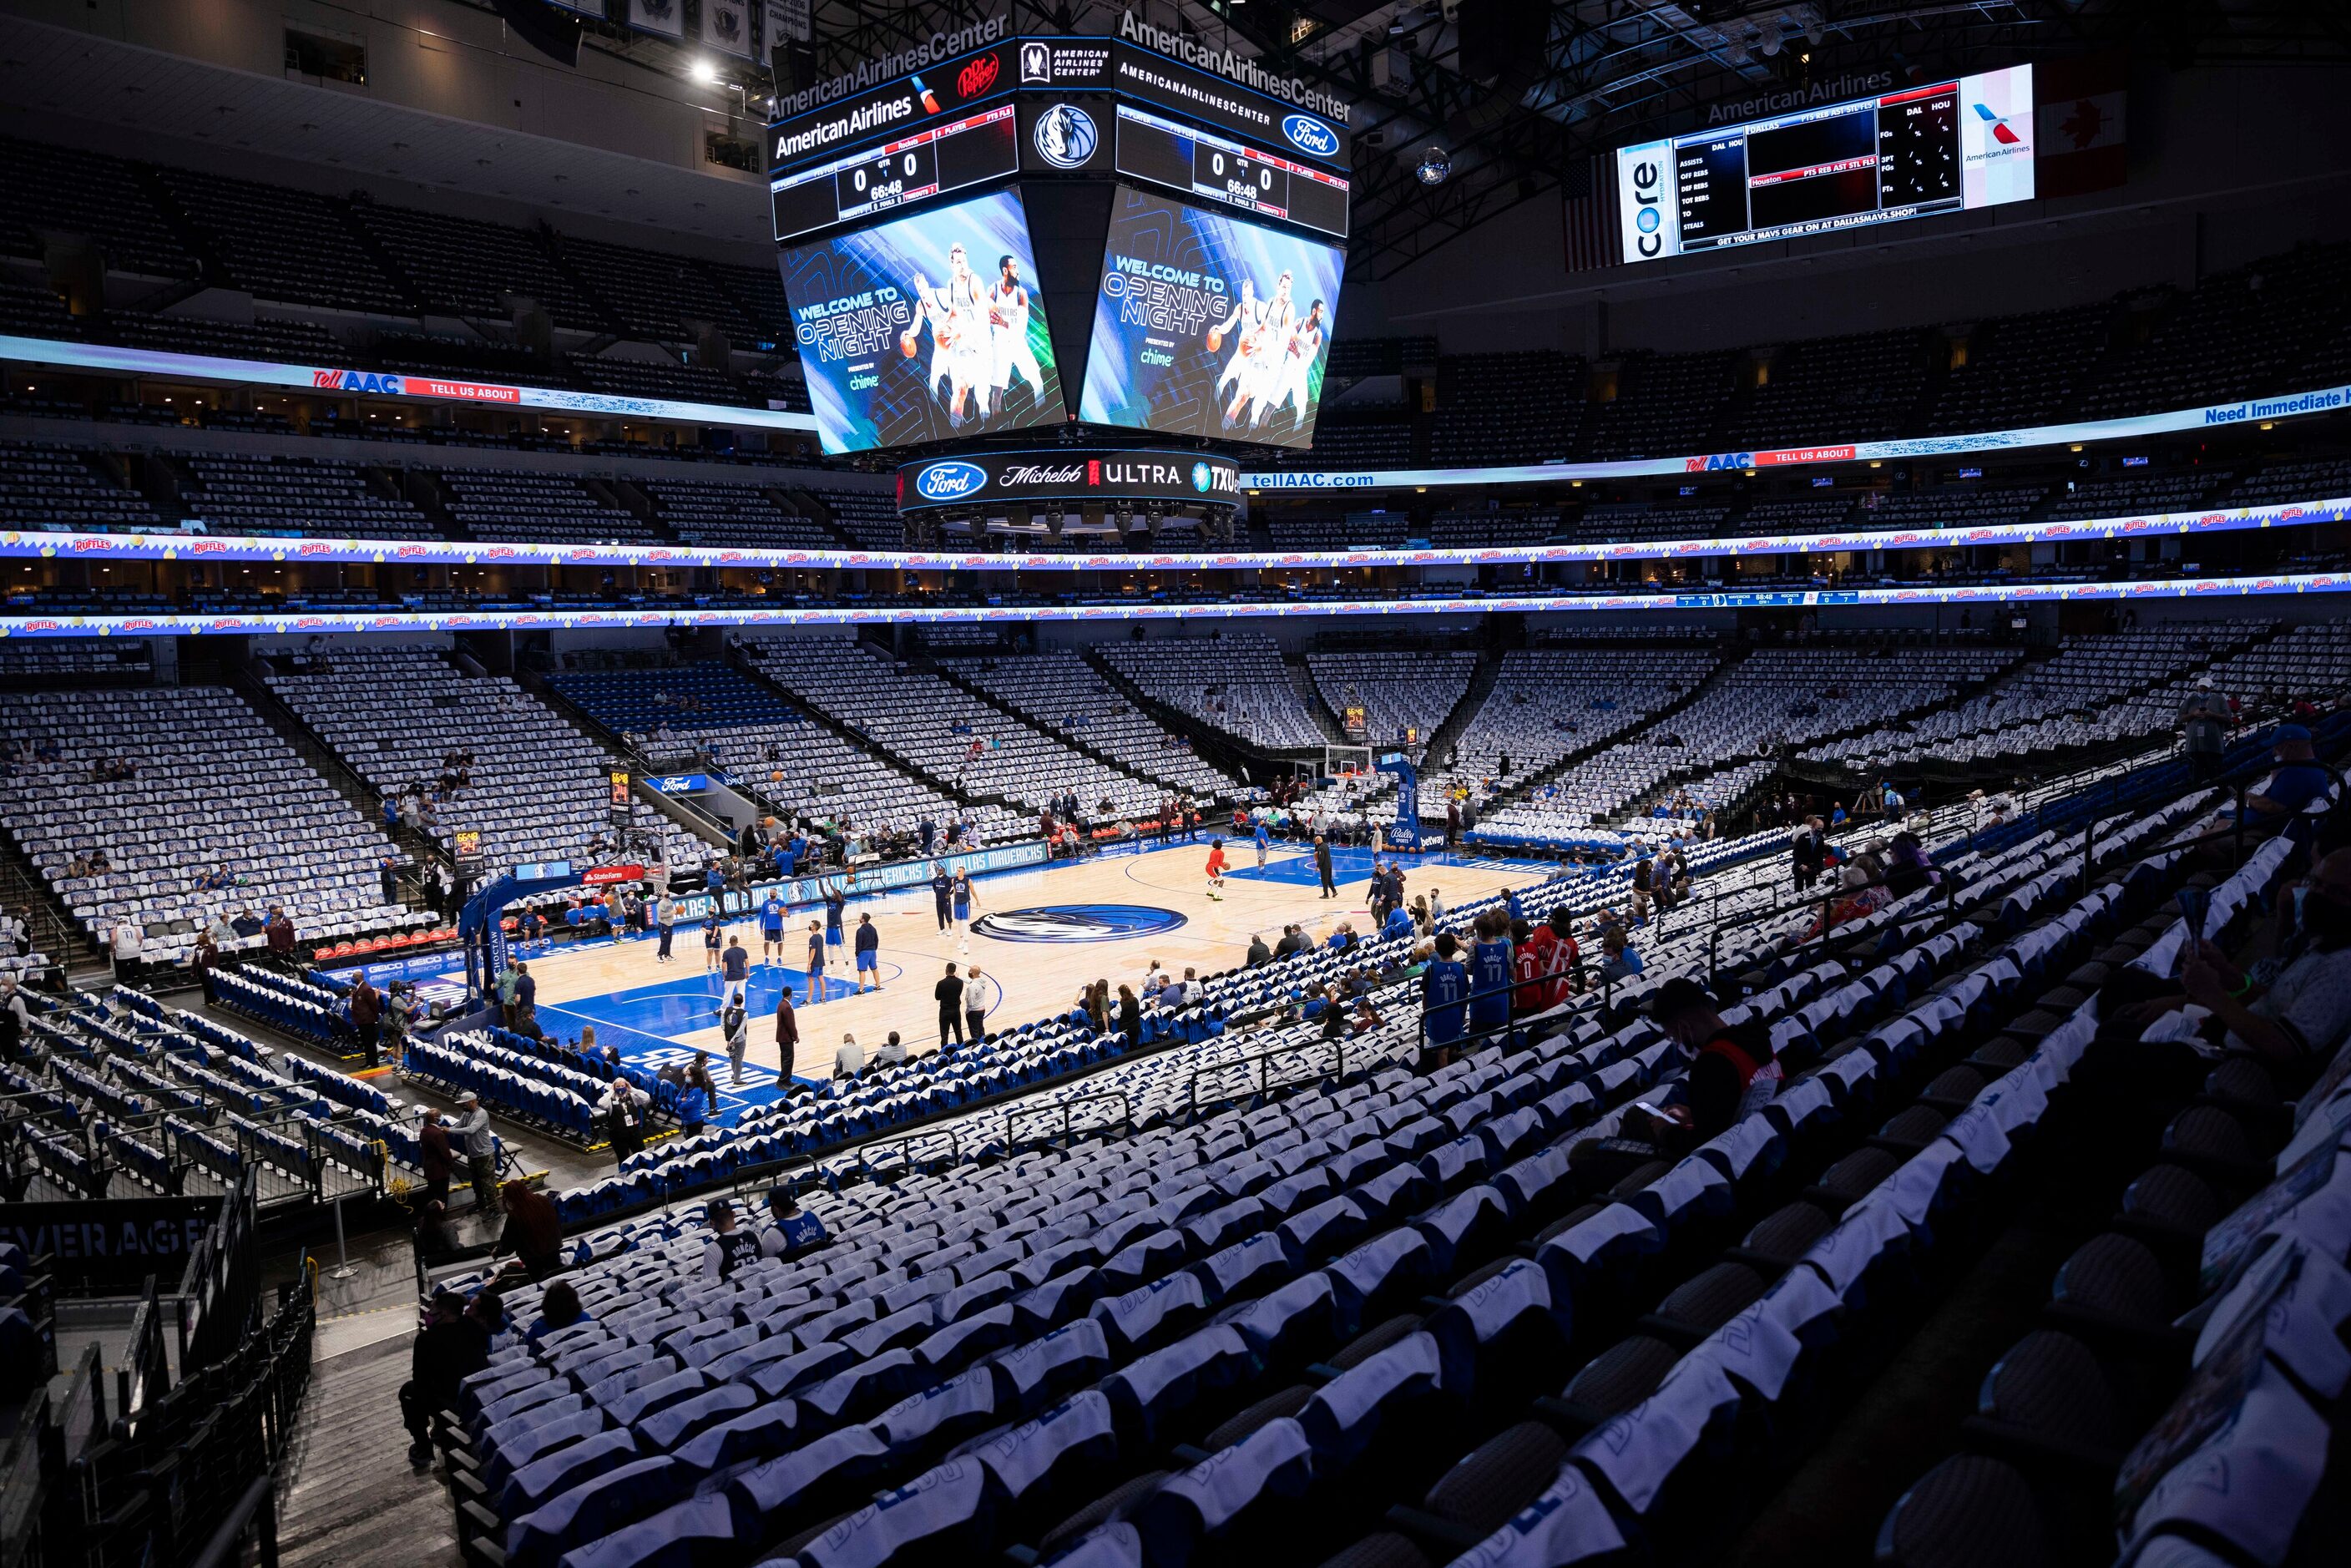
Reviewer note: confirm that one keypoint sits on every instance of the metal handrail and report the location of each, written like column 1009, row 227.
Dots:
column 1263, row 1062
column 1067, row 1110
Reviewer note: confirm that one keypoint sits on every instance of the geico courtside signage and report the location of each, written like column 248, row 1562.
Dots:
column 331, row 381
column 2006, row 591
column 1070, row 477
column 1076, row 478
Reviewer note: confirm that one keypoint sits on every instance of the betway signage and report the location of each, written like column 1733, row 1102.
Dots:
column 1068, row 478
column 952, row 481
column 2212, row 417
column 335, row 380
column 2006, row 591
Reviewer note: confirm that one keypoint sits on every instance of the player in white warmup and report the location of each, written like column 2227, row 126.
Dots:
column 1008, row 320
column 1297, row 363
column 1263, row 325
column 957, row 311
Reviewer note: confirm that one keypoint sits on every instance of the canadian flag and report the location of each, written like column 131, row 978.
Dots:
column 2078, row 124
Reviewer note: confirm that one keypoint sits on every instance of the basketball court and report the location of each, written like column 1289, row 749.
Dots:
column 1039, row 934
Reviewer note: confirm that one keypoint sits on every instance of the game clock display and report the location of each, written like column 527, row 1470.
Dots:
column 924, row 327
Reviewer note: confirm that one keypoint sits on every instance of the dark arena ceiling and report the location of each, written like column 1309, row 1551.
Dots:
column 1518, row 96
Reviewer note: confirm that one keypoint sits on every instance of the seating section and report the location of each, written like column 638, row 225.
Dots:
column 1665, row 404
column 509, row 508
column 2022, row 369
column 2080, row 698
column 1244, row 1329
column 470, row 268
column 1506, row 407
column 2134, row 496
column 133, row 1099
column 1864, row 386
column 539, row 790
column 1235, row 680
column 870, row 517
column 1775, row 697
column 773, row 748
column 48, row 485
column 282, row 244
column 733, row 516
column 1065, row 696
column 298, row 342
column 63, row 189
column 653, row 296
column 242, row 810
column 1400, row 691
column 1500, row 526
column 938, row 728
column 1549, row 702
column 311, row 495
column 2264, row 328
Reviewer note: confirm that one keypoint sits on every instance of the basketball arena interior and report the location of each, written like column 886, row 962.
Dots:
column 1191, row 784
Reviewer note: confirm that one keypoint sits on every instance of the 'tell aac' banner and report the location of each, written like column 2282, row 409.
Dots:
column 925, row 327
column 1209, row 326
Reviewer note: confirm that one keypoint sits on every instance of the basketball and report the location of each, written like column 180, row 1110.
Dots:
column 1215, row 339
column 908, row 339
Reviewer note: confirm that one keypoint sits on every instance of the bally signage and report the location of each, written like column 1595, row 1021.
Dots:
column 112, row 1241
column 1075, row 478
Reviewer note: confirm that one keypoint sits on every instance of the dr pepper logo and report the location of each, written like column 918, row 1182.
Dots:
column 977, row 77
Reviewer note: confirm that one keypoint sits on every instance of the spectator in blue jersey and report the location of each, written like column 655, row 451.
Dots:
column 693, row 1105
column 1445, row 997
column 2299, row 780
column 791, row 1229
column 729, row 1245
column 771, row 930
column 1399, row 922
column 1489, row 971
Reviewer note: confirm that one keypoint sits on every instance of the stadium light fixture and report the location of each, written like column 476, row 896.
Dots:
column 1435, row 165
column 704, row 72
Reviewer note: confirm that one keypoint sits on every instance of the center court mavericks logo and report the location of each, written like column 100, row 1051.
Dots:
column 1078, row 923
column 1066, row 136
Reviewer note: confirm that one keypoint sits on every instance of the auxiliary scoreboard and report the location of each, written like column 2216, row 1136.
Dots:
column 945, row 158
column 1200, row 163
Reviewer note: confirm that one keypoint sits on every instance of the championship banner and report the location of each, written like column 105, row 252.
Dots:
column 2001, row 593
column 664, row 18
column 1013, row 476
column 726, row 28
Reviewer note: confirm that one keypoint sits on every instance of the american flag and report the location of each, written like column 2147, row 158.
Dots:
column 1588, row 214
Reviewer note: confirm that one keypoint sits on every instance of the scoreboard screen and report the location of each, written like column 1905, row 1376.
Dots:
column 1946, row 148
column 939, row 161
column 1201, row 164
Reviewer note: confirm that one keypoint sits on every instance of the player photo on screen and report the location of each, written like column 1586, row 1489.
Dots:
column 924, row 328
column 1209, row 326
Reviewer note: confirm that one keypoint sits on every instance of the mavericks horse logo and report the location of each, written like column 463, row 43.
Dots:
column 1077, row 922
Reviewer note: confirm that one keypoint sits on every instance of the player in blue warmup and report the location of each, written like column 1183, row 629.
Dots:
column 836, row 906
column 771, row 930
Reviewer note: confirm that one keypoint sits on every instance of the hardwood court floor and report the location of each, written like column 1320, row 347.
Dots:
column 622, row 984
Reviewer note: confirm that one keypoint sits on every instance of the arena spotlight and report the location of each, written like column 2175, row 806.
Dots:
column 1435, row 165
column 704, row 72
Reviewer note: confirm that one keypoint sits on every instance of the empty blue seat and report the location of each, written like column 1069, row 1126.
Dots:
column 595, row 1509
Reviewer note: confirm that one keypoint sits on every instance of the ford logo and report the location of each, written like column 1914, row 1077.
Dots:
column 1309, row 134
column 946, row 481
